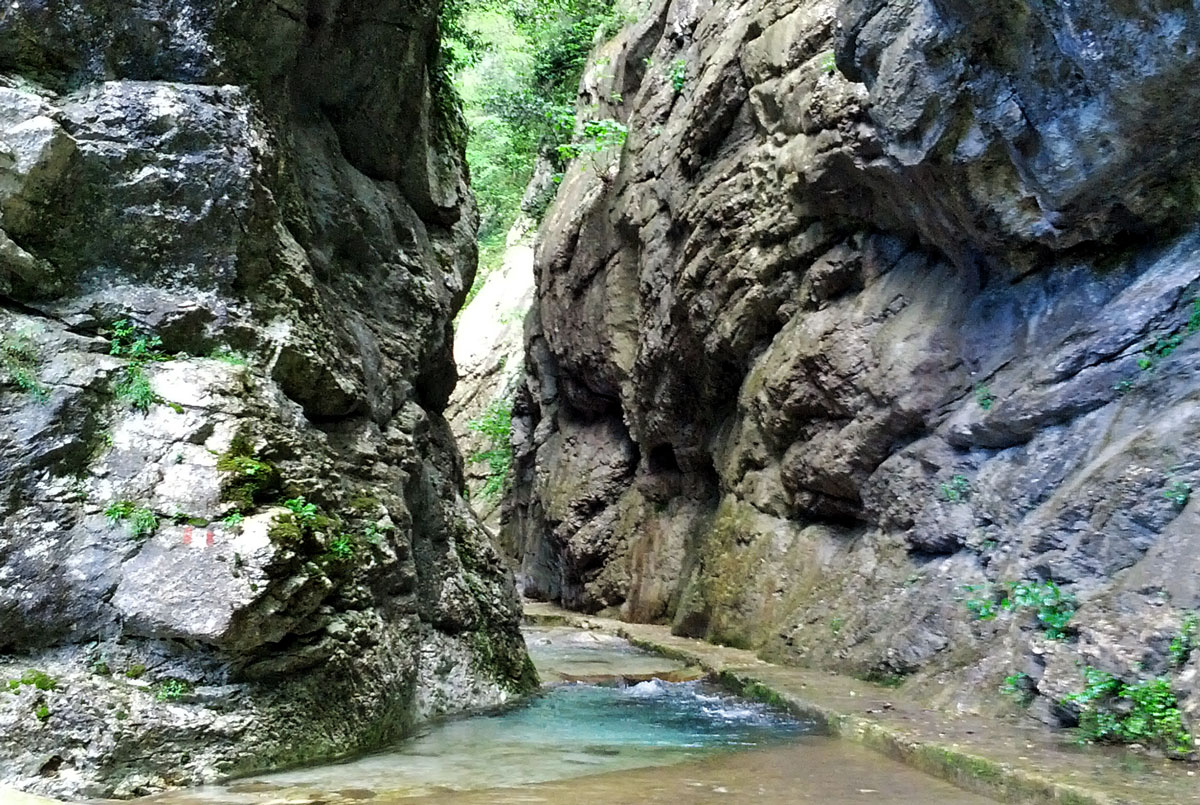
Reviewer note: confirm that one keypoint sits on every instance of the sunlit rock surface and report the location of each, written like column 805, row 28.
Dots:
column 489, row 350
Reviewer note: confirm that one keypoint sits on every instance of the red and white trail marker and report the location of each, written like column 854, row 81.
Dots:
column 191, row 541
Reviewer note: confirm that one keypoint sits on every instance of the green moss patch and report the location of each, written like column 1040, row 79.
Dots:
column 34, row 678
column 247, row 480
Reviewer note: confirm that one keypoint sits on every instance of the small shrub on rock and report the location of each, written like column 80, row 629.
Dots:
column 141, row 521
column 1146, row 712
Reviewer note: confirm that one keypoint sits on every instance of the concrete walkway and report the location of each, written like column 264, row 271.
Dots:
column 1011, row 761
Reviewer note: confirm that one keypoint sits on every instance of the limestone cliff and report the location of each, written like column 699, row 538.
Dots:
column 231, row 535
column 489, row 353
column 884, row 314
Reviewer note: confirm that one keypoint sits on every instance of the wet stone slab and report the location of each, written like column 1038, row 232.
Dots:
column 566, row 654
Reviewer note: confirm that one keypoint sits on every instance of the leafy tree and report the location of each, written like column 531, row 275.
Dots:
column 517, row 66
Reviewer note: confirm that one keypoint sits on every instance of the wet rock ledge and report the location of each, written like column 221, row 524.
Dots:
column 232, row 235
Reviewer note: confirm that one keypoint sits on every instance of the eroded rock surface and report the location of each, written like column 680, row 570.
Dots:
column 275, row 190
column 489, row 351
column 893, row 297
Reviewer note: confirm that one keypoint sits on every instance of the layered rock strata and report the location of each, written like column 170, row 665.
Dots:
column 885, row 313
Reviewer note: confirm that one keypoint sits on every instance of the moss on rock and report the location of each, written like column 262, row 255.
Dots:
column 247, row 479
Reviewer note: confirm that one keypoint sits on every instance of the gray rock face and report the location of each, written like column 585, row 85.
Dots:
column 274, row 191
column 893, row 297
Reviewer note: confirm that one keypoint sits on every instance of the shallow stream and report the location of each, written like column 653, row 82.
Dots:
column 613, row 725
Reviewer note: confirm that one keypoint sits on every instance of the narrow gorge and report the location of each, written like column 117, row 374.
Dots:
column 483, row 400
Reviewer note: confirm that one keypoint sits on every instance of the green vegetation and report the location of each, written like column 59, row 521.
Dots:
column 984, row 609
column 172, row 690
column 306, row 527
column 141, row 521
column 1018, row 687
column 887, row 679
column 1164, row 345
column 514, row 316
column 679, row 75
column 1178, row 493
column 19, row 361
column 1145, row 712
column 129, row 343
column 957, row 491
column 38, row 680
column 984, row 397
column 134, row 388
column 304, row 512
column 233, row 520
column 835, row 626
column 1184, row 643
column 138, row 349
column 229, row 356
column 1053, row 607
column 496, row 426
column 342, row 548
column 829, row 63
column 517, row 65
column 599, row 138
column 1161, row 348
column 135, row 671
column 33, row 678
column 247, row 479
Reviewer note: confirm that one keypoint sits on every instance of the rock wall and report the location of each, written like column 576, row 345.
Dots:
column 884, row 306
column 234, row 236
column 489, row 349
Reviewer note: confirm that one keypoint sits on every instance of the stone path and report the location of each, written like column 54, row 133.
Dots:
column 1012, row 761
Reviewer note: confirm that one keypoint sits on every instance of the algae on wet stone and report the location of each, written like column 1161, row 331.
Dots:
column 504, row 661
column 726, row 561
